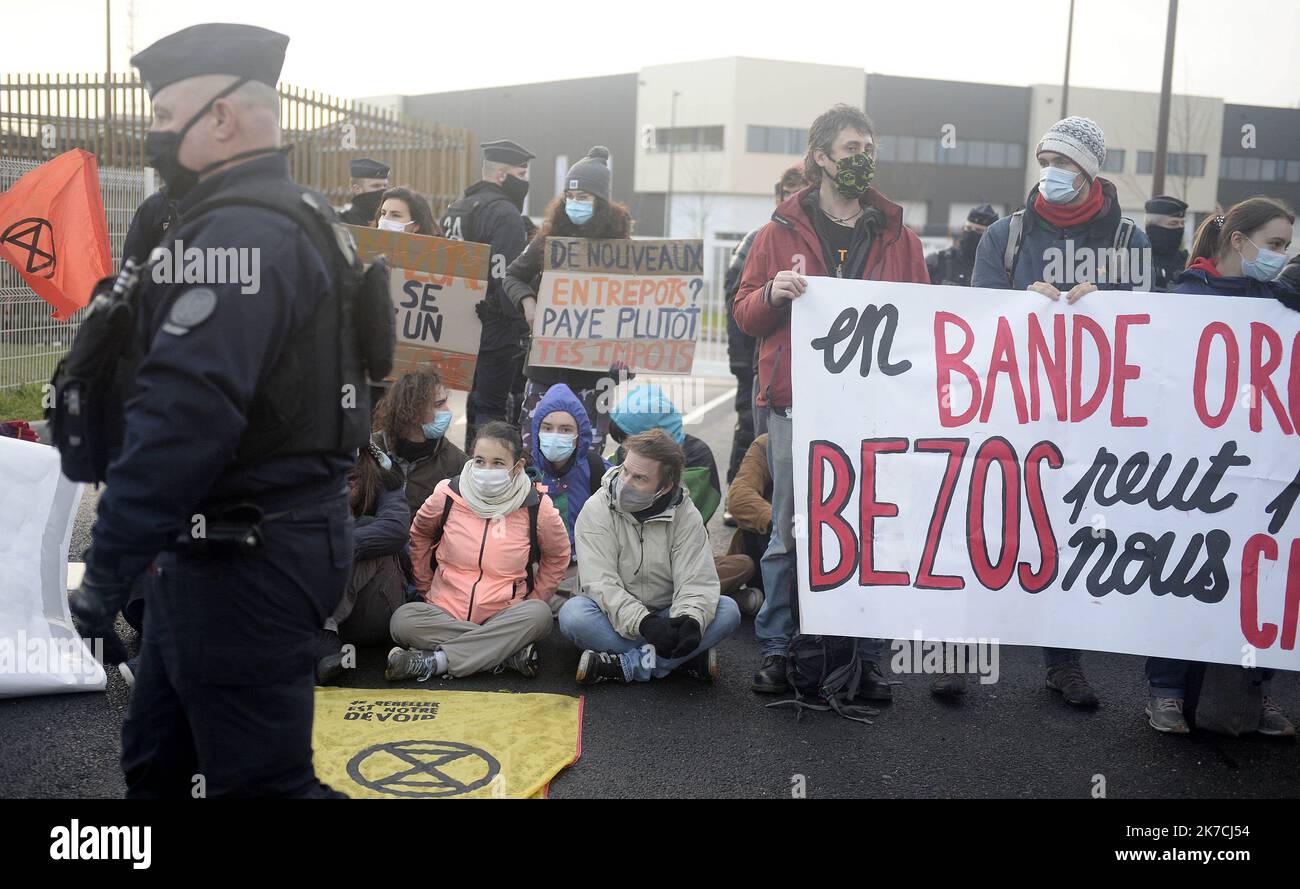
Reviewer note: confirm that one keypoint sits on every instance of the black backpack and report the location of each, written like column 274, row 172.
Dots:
column 824, row 672
column 534, row 546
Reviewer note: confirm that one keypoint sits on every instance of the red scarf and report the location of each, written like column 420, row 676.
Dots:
column 1209, row 266
column 1070, row 215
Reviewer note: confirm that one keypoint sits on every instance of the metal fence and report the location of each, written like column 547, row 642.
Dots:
column 32, row 342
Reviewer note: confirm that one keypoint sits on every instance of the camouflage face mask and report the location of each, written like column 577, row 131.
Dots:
column 854, row 175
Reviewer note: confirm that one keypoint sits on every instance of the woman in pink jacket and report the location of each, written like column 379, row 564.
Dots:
column 488, row 549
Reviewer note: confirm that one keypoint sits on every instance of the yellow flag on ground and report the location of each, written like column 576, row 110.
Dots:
column 405, row 743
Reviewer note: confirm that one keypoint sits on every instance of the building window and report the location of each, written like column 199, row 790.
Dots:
column 977, row 153
column 1177, row 163
column 679, row 139
column 1259, row 169
column 926, row 150
column 775, row 140
column 1114, row 161
column 1293, row 171
column 1252, row 169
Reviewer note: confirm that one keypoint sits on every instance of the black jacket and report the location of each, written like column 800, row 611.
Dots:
column 487, row 216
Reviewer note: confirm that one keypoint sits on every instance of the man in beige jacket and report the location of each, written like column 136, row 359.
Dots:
column 650, row 601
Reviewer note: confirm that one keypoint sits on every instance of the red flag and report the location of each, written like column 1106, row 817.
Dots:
column 53, row 230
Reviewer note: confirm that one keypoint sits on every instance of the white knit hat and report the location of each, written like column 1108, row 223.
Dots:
column 1079, row 139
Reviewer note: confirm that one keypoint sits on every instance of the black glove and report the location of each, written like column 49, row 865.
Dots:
column 660, row 633
column 689, row 635
column 94, row 606
column 481, row 309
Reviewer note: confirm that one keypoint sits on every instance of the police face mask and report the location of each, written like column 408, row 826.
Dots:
column 557, row 446
column 1266, row 265
column 1057, row 185
column 1165, row 240
column 579, row 212
column 970, row 242
column 516, row 189
column 853, row 175
column 162, row 150
column 438, row 426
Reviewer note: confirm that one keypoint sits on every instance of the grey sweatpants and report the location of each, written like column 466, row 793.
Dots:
column 471, row 647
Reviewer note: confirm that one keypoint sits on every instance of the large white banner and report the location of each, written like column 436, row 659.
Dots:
column 1116, row 475
column 40, row 652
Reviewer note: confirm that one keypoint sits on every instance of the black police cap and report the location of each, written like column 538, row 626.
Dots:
column 1165, row 205
column 367, row 168
column 239, row 50
column 503, row 151
column 984, row 214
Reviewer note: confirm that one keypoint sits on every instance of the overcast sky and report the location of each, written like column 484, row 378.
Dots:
column 1245, row 51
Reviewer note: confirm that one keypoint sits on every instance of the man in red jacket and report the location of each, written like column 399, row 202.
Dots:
column 838, row 226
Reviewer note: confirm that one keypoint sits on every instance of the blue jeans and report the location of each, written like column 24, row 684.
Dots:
column 585, row 625
column 775, row 622
column 1167, row 677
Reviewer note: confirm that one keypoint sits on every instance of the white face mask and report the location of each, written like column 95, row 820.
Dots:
column 392, row 225
column 491, row 483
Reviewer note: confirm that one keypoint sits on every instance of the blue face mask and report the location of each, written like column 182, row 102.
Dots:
column 1057, row 185
column 579, row 211
column 557, row 446
column 437, row 428
column 1265, row 266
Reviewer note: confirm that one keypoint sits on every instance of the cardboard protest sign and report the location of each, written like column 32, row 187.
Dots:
column 435, row 283
column 982, row 465
column 602, row 302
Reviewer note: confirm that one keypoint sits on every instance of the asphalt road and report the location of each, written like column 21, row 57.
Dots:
column 676, row 738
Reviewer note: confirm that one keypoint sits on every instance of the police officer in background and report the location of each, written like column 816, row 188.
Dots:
column 954, row 265
column 231, row 476
column 149, row 225
column 369, row 181
column 1166, row 219
column 490, row 213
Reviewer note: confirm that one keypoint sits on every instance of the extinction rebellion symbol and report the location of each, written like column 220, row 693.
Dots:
column 36, row 236
column 423, row 768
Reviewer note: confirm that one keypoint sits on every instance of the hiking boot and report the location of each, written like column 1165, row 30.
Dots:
column 526, row 661
column 599, row 666
column 749, row 600
column 873, row 686
column 949, row 685
column 1069, row 680
column 770, row 678
column 410, row 663
column 329, row 657
column 1166, row 715
column 728, row 519
column 703, row 667
column 1273, row 722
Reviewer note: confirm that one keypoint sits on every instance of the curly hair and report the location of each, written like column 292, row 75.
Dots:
column 407, row 403
column 822, row 133
column 608, row 220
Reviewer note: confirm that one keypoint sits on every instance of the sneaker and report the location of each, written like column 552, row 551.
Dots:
column 873, row 686
column 599, row 666
column 728, row 519
column 1069, row 680
column 526, row 662
column 1166, row 715
column 410, row 663
column 749, row 600
column 329, row 657
column 770, row 678
column 1273, row 722
column 703, row 667
column 127, row 671
column 949, row 685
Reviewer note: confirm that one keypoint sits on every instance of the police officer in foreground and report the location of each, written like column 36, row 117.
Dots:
column 369, row 181
column 248, row 409
column 489, row 213
column 954, row 265
column 1166, row 220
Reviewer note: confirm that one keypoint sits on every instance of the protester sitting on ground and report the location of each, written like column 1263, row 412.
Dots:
column 1237, row 254
column 488, row 550
column 402, row 210
column 411, row 424
column 648, row 407
column 646, row 575
column 586, row 209
column 381, row 563
column 749, row 499
column 565, row 463
column 1071, row 212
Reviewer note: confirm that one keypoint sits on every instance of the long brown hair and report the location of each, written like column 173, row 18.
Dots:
column 406, row 404
column 608, row 220
column 1215, row 234
column 365, row 481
